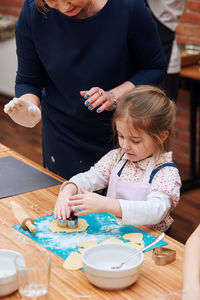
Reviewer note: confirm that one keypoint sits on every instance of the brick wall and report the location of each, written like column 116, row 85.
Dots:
column 11, row 7
column 188, row 29
column 182, row 138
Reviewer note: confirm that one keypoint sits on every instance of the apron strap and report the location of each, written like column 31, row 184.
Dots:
column 153, row 173
column 120, row 171
column 148, row 172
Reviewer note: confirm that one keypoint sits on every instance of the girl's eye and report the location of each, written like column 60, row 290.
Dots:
column 135, row 142
column 120, row 136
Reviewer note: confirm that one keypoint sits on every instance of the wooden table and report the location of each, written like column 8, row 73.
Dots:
column 154, row 281
column 191, row 79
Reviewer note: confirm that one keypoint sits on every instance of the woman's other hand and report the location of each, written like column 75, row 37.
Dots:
column 97, row 98
column 24, row 112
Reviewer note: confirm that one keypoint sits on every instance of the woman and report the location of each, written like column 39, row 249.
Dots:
column 77, row 52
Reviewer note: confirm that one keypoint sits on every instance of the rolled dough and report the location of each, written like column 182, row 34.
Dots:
column 82, row 226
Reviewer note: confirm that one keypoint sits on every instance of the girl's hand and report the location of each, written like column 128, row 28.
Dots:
column 61, row 209
column 87, row 203
column 98, row 98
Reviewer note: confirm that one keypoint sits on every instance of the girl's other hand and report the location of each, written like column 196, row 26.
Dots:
column 87, row 203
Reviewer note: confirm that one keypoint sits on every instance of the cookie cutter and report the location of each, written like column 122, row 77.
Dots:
column 71, row 222
column 163, row 256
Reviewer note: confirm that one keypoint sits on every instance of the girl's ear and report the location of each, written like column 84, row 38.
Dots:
column 164, row 135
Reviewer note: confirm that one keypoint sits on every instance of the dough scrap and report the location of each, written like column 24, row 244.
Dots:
column 133, row 237
column 112, row 240
column 87, row 244
column 73, row 261
column 82, row 226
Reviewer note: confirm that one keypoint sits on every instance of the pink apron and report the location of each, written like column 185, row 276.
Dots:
column 134, row 191
column 119, row 189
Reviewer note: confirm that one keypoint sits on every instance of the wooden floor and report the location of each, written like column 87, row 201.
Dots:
column 27, row 141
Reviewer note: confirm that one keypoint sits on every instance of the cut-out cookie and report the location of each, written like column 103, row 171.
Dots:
column 73, row 262
column 82, row 226
column 133, row 237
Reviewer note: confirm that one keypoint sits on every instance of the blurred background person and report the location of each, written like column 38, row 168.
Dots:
column 166, row 14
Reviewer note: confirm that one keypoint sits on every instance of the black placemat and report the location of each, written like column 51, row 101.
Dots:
column 17, row 177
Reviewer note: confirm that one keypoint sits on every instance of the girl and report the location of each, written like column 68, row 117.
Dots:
column 143, row 183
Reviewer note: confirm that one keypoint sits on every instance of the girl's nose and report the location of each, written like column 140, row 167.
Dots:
column 126, row 144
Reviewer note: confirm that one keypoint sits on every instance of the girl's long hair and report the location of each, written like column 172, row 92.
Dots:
column 148, row 108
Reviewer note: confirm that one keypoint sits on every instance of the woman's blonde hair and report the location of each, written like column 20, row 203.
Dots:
column 148, row 108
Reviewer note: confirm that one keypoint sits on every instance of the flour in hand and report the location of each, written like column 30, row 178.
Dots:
column 23, row 112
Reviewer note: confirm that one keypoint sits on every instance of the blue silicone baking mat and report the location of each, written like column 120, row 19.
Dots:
column 63, row 243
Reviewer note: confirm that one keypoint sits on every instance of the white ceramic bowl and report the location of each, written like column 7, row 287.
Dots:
column 8, row 277
column 98, row 260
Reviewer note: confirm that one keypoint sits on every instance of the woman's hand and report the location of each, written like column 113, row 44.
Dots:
column 100, row 99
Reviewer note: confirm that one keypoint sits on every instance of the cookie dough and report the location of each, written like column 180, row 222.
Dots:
column 82, row 226
column 73, row 262
column 133, row 237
